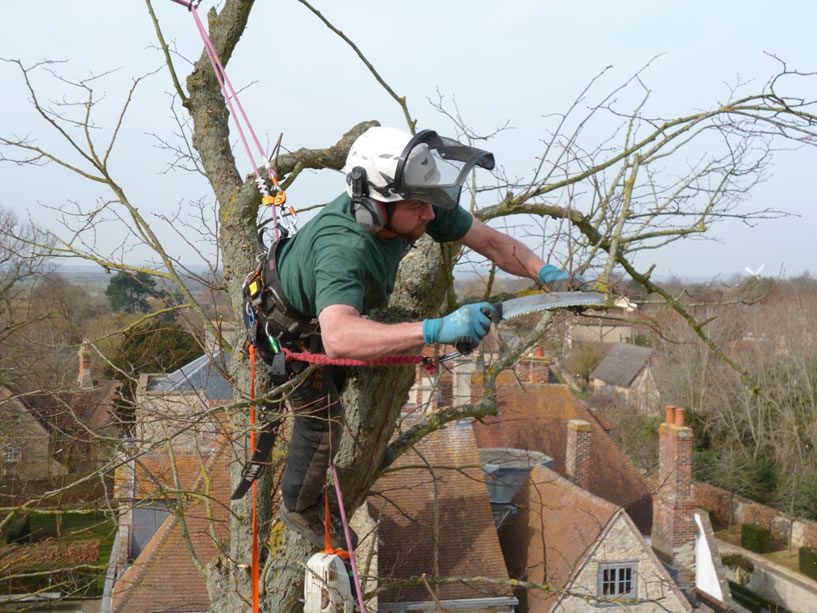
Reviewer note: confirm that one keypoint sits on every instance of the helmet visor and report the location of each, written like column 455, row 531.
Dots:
column 433, row 168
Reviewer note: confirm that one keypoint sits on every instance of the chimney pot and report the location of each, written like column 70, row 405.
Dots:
column 670, row 416
column 679, row 416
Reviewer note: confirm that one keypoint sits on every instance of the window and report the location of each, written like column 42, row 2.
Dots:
column 617, row 580
column 12, row 454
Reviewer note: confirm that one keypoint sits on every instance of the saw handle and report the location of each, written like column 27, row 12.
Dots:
column 464, row 344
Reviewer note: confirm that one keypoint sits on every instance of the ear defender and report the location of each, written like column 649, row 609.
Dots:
column 369, row 213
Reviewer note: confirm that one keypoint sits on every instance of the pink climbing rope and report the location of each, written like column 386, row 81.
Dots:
column 387, row 360
column 347, row 533
column 230, row 95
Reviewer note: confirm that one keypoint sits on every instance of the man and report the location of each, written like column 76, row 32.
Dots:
column 343, row 264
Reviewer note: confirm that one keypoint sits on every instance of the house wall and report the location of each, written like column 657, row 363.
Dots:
column 726, row 507
column 621, row 542
column 176, row 417
column 20, row 430
column 644, row 392
column 599, row 333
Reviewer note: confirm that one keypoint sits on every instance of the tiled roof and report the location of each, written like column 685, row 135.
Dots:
column 203, row 375
column 405, row 500
column 554, row 529
column 156, row 473
column 621, row 366
column 535, row 418
column 75, row 410
column 164, row 577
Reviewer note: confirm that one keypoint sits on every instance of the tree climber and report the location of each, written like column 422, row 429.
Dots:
column 341, row 265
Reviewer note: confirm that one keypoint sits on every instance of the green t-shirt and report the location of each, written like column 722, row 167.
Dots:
column 333, row 260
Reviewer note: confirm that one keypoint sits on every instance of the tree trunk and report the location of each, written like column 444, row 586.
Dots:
column 374, row 396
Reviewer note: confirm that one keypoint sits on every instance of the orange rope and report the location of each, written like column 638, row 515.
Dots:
column 327, row 537
column 255, row 557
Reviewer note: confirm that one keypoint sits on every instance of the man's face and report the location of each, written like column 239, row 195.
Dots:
column 411, row 217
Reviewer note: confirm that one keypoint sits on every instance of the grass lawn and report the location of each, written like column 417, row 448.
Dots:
column 73, row 527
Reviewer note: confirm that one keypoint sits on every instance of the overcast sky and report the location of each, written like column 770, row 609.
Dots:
column 512, row 61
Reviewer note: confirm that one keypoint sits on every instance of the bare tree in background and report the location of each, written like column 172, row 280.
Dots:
column 24, row 250
column 595, row 206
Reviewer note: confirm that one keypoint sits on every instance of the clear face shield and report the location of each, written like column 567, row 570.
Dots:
column 433, row 168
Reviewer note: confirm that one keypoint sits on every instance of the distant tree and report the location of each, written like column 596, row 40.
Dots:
column 153, row 346
column 24, row 249
column 129, row 292
column 583, row 360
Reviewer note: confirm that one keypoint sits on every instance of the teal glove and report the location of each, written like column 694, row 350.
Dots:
column 557, row 279
column 468, row 325
column 550, row 274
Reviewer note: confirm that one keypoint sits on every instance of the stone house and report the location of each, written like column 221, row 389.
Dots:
column 169, row 406
column 587, row 515
column 600, row 328
column 587, row 550
column 47, row 434
column 628, row 370
column 26, row 442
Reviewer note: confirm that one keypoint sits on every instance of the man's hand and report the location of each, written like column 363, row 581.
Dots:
column 557, row 279
column 469, row 323
column 550, row 275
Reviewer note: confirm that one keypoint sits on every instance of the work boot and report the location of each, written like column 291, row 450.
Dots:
column 309, row 523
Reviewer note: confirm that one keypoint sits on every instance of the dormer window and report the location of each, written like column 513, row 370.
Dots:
column 617, row 580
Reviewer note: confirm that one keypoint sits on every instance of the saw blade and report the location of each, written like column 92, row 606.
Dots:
column 545, row 302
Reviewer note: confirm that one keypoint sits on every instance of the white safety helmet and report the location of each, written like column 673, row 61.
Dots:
column 425, row 166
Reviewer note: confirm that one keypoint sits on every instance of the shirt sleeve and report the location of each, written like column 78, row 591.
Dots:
column 339, row 276
column 449, row 225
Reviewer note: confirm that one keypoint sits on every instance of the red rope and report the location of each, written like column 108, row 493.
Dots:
column 386, row 360
column 255, row 556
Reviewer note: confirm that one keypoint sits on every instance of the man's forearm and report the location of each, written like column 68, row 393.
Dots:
column 362, row 339
column 514, row 257
column 509, row 254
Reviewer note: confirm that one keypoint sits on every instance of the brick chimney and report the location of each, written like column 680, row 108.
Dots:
column 673, row 527
column 534, row 367
column 577, row 453
column 84, row 380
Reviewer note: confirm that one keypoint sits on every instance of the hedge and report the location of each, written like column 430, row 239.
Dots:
column 808, row 561
column 755, row 538
column 752, row 601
